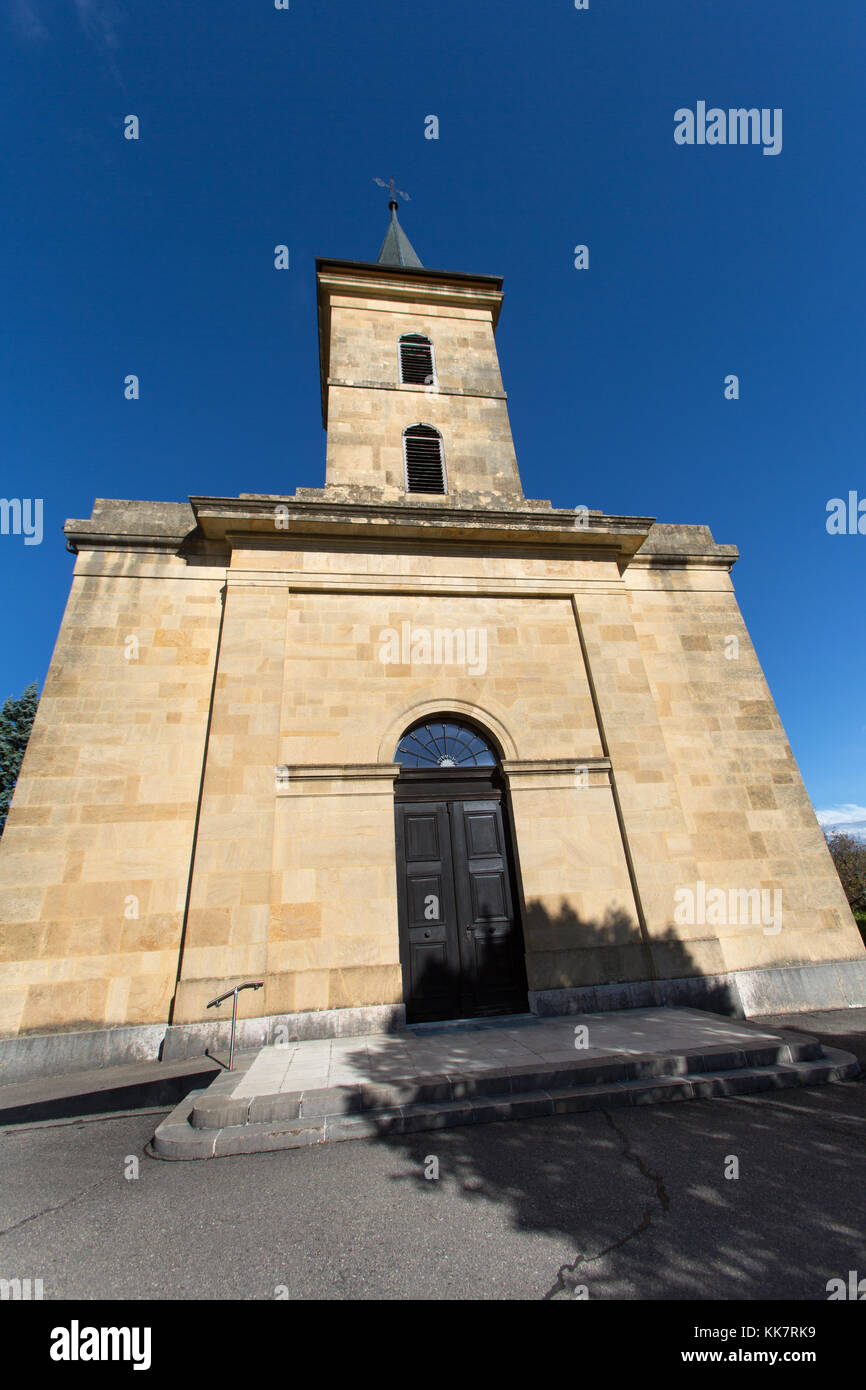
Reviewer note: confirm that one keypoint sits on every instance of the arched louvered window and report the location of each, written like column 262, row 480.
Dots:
column 444, row 743
column 425, row 460
column 416, row 360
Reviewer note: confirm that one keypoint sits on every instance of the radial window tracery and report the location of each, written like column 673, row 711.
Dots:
column 443, row 743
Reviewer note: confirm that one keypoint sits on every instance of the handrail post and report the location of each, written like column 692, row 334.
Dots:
column 234, row 1021
column 215, row 1003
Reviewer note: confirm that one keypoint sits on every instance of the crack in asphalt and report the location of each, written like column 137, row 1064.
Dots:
column 562, row 1284
column 46, row 1211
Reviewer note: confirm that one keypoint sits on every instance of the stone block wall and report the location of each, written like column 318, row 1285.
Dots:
column 305, row 666
column 580, row 920
column 747, row 815
column 640, row 759
column 227, row 929
column 94, row 860
column 332, row 938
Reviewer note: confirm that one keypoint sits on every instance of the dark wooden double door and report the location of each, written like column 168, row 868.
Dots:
column 460, row 940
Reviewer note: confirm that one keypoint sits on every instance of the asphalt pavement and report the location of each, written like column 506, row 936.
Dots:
column 632, row 1204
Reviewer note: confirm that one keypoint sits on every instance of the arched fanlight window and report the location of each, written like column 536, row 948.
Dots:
column 444, row 743
column 416, row 360
column 425, row 461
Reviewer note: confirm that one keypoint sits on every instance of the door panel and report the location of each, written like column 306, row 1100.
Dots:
column 491, row 944
column 488, row 896
column 423, row 835
column 428, row 913
column 483, row 832
column 461, row 946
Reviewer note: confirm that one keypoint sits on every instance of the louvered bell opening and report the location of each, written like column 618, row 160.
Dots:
column 425, row 469
column 416, row 360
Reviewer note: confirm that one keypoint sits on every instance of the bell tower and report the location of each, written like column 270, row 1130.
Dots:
column 412, row 395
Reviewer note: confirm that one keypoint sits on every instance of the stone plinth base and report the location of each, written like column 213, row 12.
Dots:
column 741, row 994
column 785, row 989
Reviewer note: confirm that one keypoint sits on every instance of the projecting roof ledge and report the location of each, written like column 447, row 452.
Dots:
column 122, row 518
column 670, row 540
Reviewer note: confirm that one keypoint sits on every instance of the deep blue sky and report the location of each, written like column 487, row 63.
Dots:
column 261, row 127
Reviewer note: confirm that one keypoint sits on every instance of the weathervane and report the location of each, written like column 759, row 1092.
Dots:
column 393, row 190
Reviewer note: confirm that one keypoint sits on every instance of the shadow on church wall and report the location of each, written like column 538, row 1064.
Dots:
column 567, row 950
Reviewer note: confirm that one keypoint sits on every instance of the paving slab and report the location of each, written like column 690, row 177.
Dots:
column 427, row 1049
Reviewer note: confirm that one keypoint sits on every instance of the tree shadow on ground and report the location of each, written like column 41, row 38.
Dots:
column 639, row 1194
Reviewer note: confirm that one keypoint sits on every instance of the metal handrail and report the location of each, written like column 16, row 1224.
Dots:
column 250, row 984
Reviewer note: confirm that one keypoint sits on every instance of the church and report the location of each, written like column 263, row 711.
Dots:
column 410, row 747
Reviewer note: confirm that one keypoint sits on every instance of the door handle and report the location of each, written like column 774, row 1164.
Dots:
column 469, row 928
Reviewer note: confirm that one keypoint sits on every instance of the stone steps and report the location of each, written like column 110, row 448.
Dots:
column 218, row 1108
column 214, row 1123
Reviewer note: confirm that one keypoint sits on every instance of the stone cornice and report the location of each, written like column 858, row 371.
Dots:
column 379, row 777
column 391, row 281
column 671, row 545
column 205, row 529
column 539, row 774
column 583, row 772
column 239, row 521
column 327, row 771
column 81, row 539
column 725, row 559
column 138, row 525
column 529, row 766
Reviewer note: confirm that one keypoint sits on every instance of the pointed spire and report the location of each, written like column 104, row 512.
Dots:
column 397, row 249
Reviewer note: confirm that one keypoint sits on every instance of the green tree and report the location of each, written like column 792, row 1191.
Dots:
column 16, row 721
column 849, row 856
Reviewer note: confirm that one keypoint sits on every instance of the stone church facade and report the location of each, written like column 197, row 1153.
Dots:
column 407, row 743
